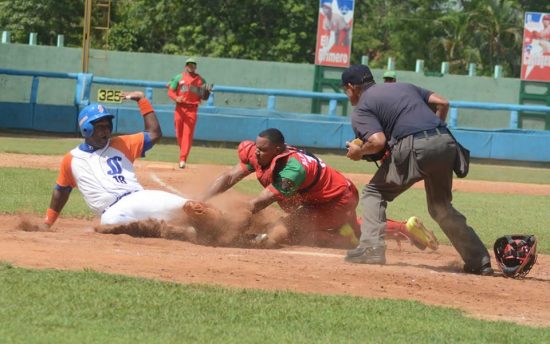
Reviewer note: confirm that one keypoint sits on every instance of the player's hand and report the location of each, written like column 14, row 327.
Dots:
column 354, row 150
column 179, row 99
column 133, row 95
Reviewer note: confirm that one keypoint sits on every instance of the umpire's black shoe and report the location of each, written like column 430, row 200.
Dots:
column 485, row 270
column 367, row 255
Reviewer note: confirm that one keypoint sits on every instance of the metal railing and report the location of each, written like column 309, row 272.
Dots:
column 84, row 82
column 513, row 108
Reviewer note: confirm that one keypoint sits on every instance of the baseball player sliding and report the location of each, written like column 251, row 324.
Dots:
column 102, row 169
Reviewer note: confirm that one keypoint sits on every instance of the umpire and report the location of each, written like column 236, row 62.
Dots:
column 399, row 117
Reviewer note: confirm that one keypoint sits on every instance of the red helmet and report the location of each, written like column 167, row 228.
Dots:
column 516, row 254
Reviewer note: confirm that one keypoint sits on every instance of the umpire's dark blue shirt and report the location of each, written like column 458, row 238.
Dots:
column 397, row 109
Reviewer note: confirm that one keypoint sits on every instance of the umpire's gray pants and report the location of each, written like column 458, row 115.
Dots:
column 431, row 159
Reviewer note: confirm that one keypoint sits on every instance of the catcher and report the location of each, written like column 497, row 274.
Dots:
column 102, row 169
column 319, row 201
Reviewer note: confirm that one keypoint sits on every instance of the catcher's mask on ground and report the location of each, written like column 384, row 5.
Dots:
column 516, row 254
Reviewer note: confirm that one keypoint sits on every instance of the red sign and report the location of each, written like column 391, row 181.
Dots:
column 535, row 59
column 334, row 29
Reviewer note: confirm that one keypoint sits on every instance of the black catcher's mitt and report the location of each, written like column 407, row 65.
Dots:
column 516, row 254
column 205, row 91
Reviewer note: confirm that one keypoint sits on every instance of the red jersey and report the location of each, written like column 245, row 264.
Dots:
column 292, row 176
column 188, row 85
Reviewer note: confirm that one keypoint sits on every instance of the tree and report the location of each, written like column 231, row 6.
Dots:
column 455, row 28
column 47, row 18
column 486, row 32
column 405, row 30
column 496, row 30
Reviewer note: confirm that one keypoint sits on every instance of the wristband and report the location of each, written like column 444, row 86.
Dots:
column 145, row 106
column 51, row 216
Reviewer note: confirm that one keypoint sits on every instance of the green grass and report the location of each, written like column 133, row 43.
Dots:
column 37, row 145
column 73, row 307
column 88, row 307
column 219, row 154
column 491, row 215
column 30, row 190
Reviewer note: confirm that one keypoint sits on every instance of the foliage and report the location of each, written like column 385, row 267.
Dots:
column 46, row 18
column 485, row 32
column 248, row 29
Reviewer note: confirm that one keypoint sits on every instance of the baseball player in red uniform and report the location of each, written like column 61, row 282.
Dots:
column 187, row 89
column 102, row 169
column 319, row 200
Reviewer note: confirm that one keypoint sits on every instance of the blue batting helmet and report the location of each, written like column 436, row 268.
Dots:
column 90, row 114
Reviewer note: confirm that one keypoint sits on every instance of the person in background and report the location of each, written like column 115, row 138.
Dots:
column 390, row 76
column 187, row 90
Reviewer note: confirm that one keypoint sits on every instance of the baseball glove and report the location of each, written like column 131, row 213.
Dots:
column 516, row 254
column 206, row 89
column 372, row 157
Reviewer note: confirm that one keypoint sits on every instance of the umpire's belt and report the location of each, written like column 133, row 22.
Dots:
column 430, row 132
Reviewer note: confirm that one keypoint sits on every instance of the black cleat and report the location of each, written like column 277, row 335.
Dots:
column 485, row 270
column 367, row 255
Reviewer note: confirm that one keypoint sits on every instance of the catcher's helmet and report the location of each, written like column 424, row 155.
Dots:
column 89, row 115
column 516, row 254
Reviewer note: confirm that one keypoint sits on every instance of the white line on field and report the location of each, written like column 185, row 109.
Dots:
column 163, row 184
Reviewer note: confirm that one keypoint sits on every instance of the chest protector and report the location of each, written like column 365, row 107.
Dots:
column 266, row 175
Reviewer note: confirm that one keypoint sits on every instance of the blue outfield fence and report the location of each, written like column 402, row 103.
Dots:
column 234, row 124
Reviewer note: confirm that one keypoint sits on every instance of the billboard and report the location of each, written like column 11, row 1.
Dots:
column 334, row 28
column 535, row 58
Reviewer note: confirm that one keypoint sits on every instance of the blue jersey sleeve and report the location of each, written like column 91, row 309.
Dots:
column 147, row 144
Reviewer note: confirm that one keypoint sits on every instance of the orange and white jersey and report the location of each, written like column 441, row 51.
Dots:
column 105, row 175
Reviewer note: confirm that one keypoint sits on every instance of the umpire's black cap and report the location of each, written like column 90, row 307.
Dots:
column 357, row 74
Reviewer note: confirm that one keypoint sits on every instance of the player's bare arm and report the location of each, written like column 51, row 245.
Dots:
column 57, row 202
column 440, row 105
column 265, row 198
column 173, row 95
column 375, row 143
column 152, row 126
column 225, row 181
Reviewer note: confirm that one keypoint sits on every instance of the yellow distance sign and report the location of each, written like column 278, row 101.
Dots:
column 109, row 96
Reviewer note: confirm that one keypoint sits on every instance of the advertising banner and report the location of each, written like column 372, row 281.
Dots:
column 334, row 30
column 535, row 59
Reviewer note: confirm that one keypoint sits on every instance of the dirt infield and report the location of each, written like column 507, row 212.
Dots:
column 430, row 277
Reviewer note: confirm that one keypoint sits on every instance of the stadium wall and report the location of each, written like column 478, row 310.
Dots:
column 230, row 72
